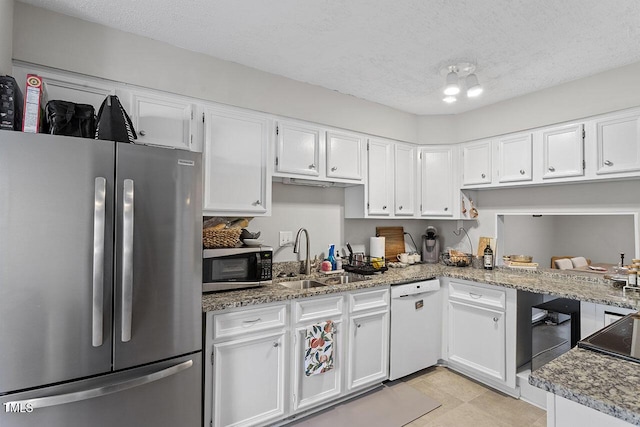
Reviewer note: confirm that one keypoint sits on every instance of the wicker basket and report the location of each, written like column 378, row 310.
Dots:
column 222, row 238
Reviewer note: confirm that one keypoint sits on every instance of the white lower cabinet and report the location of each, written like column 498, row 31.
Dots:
column 309, row 391
column 246, row 373
column 563, row 412
column 255, row 357
column 481, row 333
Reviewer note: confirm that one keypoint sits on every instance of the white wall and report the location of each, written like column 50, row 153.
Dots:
column 526, row 235
column 6, row 35
column 55, row 40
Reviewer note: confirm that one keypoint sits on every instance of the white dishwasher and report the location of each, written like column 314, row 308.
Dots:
column 416, row 327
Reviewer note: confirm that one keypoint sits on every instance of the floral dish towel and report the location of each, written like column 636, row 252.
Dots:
column 318, row 356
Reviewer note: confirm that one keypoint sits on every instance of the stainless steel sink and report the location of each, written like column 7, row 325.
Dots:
column 302, row 284
column 341, row 279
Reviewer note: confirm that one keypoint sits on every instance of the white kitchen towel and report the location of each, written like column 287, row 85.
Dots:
column 376, row 247
column 579, row 261
column 318, row 353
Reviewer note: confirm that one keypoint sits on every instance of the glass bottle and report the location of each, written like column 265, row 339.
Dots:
column 488, row 258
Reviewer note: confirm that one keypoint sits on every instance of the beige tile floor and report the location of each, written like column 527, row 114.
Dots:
column 468, row 403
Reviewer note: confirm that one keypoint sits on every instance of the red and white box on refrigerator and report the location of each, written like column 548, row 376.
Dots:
column 34, row 101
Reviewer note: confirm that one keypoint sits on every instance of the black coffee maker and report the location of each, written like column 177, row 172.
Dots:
column 430, row 246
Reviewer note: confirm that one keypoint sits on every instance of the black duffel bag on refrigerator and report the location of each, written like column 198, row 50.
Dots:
column 70, row 119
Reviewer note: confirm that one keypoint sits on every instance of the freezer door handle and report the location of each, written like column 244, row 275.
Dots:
column 99, row 209
column 127, row 260
column 61, row 399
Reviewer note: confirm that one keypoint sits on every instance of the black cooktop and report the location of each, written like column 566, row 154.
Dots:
column 619, row 339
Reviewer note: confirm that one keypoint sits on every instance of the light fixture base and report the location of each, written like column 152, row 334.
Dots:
column 463, row 69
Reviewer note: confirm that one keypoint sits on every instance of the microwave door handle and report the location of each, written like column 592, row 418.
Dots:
column 99, row 209
column 127, row 260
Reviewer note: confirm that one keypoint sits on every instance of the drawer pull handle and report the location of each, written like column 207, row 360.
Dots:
column 251, row 322
column 475, row 296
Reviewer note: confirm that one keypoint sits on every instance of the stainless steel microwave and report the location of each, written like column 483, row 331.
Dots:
column 236, row 268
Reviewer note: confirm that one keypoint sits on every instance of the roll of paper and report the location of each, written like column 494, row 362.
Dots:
column 376, row 247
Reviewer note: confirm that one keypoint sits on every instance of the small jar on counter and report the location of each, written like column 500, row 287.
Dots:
column 633, row 277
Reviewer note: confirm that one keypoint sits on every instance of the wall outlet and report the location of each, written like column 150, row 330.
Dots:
column 286, row 238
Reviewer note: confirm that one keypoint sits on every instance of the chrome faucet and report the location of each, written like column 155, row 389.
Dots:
column 296, row 249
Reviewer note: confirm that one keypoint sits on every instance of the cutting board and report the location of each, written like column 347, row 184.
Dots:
column 393, row 241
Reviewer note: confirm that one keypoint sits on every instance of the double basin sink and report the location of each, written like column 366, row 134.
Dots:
column 323, row 281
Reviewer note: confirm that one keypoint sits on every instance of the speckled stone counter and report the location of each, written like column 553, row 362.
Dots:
column 607, row 384
column 581, row 286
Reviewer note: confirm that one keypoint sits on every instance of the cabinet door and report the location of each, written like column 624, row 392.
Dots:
column 249, row 380
column 380, row 180
column 436, row 195
column 235, row 164
column 298, row 149
column 618, row 144
column 515, row 158
column 563, row 149
column 476, row 163
column 477, row 339
column 368, row 349
column 344, row 156
column 405, row 180
column 162, row 120
column 309, row 391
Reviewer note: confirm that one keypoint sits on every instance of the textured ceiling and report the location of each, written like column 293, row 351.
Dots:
column 391, row 52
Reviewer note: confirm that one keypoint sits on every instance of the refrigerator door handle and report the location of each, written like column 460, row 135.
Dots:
column 61, row 399
column 127, row 260
column 99, row 209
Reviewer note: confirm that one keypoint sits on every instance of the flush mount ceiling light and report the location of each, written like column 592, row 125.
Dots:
column 455, row 75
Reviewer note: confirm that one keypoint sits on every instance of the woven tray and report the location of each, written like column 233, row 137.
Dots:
column 223, row 238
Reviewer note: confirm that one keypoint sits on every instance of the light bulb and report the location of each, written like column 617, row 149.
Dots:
column 452, row 87
column 473, row 87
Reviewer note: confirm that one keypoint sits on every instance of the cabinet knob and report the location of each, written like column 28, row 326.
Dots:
column 276, row 344
column 552, row 169
column 495, row 319
column 333, row 169
column 608, row 163
column 484, row 176
column 522, row 172
column 257, row 203
column 312, row 166
column 384, row 207
column 399, row 208
column 358, row 325
column 142, row 133
column 446, row 209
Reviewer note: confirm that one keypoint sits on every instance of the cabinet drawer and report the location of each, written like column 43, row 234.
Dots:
column 317, row 308
column 248, row 321
column 368, row 300
column 493, row 298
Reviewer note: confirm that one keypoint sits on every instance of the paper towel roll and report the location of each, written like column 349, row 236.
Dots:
column 376, row 247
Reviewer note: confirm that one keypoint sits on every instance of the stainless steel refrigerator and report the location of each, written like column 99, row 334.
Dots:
column 100, row 283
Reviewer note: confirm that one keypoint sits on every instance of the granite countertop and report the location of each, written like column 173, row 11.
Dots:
column 576, row 285
column 607, row 384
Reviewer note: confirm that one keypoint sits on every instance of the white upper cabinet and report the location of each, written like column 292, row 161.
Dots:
column 344, row 155
column 235, row 163
column 618, row 143
column 476, row 163
column 162, row 120
column 298, row 148
column 515, row 157
column 405, row 180
column 563, row 151
column 380, row 180
column 437, row 181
